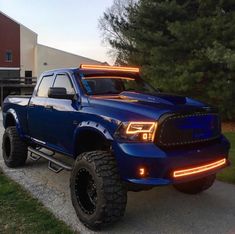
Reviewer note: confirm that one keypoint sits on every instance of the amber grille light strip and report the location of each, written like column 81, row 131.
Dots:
column 110, row 68
column 196, row 170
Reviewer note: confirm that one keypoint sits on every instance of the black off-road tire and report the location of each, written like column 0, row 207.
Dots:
column 98, row 194
column 14, row 150
column 196, row 186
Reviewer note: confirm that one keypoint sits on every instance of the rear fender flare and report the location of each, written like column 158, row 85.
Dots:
column 13, row 113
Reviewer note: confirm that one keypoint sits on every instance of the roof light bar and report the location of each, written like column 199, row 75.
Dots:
column 107, row 77
column 110, row 68
column 197, row 170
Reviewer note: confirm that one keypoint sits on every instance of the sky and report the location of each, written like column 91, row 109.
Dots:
column 69, row 25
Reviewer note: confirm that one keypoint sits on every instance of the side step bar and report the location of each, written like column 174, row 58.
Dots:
column 39, row 154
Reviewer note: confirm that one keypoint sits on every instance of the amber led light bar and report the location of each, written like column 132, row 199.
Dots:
column 107, row 77
column 110, row 68
column 196, row 170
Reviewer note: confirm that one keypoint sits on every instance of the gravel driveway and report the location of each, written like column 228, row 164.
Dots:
column 160, row 210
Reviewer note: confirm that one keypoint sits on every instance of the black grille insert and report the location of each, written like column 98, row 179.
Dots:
column 185, row 129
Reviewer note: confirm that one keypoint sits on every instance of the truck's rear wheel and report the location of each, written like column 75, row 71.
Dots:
column 98, row 194
column 13, row 148
column 196, row 186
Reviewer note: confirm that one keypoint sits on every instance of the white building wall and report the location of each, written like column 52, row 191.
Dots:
column 28, row 43
column 49, row 58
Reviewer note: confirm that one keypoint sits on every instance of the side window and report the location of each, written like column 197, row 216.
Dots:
column 63, row 81
column 46, row 83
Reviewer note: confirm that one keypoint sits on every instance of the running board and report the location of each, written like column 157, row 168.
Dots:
column 59, row 166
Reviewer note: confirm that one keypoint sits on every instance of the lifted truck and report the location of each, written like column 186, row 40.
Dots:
column 122, row 134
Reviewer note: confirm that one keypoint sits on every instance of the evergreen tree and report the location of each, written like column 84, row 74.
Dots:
column 183, row 46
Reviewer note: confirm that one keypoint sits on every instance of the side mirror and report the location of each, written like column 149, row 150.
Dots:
column 59, row 93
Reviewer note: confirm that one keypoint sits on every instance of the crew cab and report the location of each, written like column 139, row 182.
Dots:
column 121, row 134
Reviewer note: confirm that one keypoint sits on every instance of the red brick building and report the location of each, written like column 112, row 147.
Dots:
column 9, row 47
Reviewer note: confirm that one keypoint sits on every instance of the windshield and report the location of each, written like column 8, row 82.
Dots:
column 101, row 85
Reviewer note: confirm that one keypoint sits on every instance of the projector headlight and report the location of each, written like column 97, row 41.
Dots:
column 137, row 131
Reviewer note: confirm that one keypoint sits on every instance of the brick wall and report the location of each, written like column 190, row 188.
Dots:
column 9, row 41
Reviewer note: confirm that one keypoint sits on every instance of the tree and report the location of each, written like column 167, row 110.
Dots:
column 112, row 25
column 183, row 46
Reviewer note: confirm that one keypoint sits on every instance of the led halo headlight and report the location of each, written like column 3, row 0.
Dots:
column 137, row 131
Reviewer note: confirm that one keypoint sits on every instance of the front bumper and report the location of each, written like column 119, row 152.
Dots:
column 161, row 163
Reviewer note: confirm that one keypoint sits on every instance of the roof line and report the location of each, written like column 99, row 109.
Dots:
column 68, row 52
column 16, row 21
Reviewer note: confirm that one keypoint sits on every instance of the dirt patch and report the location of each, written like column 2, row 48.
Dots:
column 228, row 127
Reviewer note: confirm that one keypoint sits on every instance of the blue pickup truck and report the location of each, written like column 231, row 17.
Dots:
column 121, row 134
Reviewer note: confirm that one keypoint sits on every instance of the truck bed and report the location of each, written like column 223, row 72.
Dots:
column 18, row 104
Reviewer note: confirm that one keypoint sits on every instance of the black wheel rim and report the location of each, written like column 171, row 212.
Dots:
column 7, row 147
column 86, row 193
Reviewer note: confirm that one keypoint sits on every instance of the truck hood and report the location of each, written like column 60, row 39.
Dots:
column 129, row 106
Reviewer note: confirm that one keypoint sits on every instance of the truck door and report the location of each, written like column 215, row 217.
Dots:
column 62, row 116
column 36, row 110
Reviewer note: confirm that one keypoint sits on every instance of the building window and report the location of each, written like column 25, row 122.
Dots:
column 8, row 56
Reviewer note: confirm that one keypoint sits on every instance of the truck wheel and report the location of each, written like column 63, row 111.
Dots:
column 98, row 194
column 196, row 186
column 14, row 150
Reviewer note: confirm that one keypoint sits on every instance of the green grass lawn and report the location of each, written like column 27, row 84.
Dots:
column 20, row 213
column 228, row 175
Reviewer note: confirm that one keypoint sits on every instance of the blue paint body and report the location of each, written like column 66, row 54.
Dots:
column 55, row 129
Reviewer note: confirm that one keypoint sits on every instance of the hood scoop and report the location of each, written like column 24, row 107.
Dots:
column 160, row 98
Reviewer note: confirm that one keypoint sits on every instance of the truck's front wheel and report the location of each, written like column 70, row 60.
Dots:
column 13, row 148
column 196, row 186
column 98, row 194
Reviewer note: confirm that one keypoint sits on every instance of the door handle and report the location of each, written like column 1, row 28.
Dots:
column 49, row 107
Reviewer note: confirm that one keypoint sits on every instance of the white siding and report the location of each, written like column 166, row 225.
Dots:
column 28, row 43
column 49, row 58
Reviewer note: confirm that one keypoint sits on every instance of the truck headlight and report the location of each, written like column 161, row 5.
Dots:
column 137, row 131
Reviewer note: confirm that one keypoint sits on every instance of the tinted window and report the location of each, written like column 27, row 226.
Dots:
column 63, row 81
column 46, row 83
column 115, row 85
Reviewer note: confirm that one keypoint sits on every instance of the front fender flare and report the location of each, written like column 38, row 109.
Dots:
column 91, row 126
